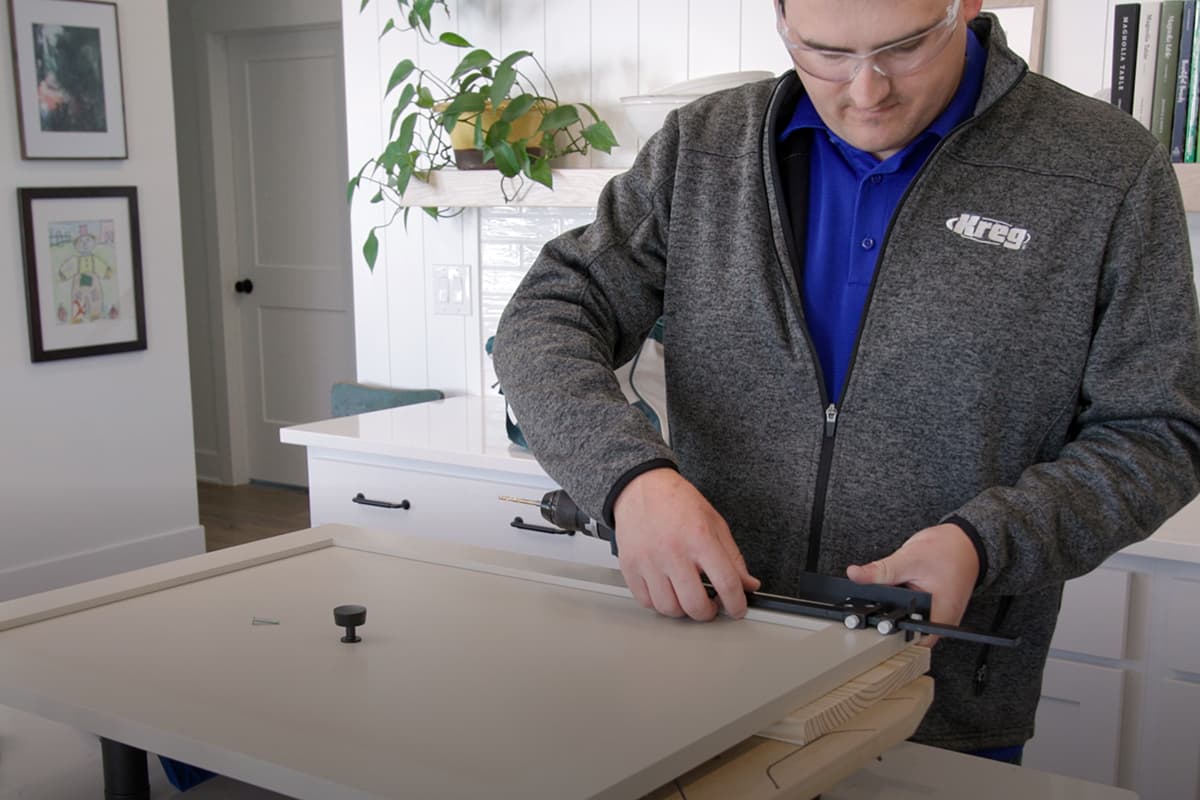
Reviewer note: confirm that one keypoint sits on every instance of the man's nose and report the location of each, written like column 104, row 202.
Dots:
column 869, row 86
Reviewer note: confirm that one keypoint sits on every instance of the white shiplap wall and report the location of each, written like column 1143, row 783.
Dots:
column 595, row 51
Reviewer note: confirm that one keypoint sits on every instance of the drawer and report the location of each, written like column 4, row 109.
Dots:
column 443, row 504
column 1095, row 614
column 1183, row 649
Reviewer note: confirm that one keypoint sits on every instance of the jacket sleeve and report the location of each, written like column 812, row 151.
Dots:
column 1134, row 458
column 584, row 309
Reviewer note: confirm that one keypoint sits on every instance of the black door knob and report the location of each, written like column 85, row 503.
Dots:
column 245, row 286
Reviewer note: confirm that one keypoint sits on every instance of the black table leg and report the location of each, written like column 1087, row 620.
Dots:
column 126, row 776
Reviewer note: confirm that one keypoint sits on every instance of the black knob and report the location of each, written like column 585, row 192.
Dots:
column 350, row 617
column 244, row 286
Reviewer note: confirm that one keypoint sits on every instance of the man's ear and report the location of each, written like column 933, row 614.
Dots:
column 971, row 9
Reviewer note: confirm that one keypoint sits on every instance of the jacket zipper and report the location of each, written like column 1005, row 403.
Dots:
column 981, row 664
column 817, row 518
column 818, row 515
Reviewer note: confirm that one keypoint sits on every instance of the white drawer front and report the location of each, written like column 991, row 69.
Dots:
column 1183, row 647
column 1095, row 614
column 451, row 507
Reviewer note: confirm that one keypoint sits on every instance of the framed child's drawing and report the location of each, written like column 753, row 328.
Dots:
column 83, row 271
column 67, row 62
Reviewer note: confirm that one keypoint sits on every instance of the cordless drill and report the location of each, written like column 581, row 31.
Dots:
column 560, row 510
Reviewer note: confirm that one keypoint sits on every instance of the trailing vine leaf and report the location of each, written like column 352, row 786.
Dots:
column 371, row 249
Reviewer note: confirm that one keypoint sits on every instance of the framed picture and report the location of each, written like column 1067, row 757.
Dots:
column 1024, row 21
column 67, row 60
column 83, row 271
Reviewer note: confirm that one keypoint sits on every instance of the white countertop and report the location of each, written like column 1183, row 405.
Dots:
column 469, row 431
column 463, row 431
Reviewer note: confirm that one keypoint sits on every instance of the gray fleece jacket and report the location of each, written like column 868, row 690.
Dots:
column 1027, row 364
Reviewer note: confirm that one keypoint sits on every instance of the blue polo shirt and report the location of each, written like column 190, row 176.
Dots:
column 851, row 199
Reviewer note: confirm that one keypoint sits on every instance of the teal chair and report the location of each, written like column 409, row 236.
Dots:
column 358, row 398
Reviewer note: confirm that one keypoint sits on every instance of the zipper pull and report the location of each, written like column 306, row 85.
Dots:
column 831, row 414
column 981, row 676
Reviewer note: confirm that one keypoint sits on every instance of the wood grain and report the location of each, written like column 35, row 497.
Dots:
column 807, row 724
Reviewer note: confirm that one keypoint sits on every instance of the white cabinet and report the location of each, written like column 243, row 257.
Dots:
column 437, row 470
column 1078, row 721
column 1172, row 748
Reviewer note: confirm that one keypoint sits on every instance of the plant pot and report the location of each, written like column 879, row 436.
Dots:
column 462, row 137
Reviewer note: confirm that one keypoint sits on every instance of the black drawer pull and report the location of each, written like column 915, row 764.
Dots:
column 525, row 526
column 362, row 500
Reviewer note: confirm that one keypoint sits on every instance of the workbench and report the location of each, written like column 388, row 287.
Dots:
column 1124, row 668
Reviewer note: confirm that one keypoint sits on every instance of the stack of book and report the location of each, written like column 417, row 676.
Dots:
column 1156, row 71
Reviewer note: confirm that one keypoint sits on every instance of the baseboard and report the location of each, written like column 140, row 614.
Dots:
column 54, row 573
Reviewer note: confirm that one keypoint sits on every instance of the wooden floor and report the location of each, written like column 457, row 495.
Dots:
column 239, row 514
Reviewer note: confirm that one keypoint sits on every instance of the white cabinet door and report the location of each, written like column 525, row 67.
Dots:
column 1078, row 722
column 1172, row 746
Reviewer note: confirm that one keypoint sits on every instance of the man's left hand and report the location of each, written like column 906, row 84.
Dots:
column 940, row 560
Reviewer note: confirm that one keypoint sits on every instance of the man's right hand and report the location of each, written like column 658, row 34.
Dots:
column 668, row 534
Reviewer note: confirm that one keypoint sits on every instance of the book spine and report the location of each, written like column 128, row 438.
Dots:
column 1189, row 144
column 1124, row 62
column 1183, row 80
column 1146, row 69
column 1163, row 102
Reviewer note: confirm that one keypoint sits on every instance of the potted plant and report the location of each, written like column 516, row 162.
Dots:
column 487, row 110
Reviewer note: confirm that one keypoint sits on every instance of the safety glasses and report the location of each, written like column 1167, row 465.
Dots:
column 893, row 60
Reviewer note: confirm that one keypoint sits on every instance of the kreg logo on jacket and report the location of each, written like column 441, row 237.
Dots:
column 989, row 231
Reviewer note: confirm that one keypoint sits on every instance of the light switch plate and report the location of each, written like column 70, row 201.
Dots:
column 451, row 286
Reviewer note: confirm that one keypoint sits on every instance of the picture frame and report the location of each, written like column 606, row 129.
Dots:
column 83, row 271
column 1025, row 23
column 67, row 68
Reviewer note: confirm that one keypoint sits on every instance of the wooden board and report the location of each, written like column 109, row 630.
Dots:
column 832, row 710
column 765, row 769
column 480, row 673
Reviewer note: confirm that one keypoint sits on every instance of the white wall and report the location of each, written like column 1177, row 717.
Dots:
column 96, row 459
column 597, row 51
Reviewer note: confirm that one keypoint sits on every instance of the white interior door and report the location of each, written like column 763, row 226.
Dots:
column 293, row 278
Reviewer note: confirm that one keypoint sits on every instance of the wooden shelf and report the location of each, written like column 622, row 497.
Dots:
column 577, row 188
column 1189, row 183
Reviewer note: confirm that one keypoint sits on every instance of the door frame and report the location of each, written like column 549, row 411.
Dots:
column 213, row 267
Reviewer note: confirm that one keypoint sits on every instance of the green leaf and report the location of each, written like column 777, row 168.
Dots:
column 390, row 26
column 371, row 249
column 471, row 102
column 539, row 171
column 513, row 57
column 363, row 6
column 406, row 97
column 404, row 176
column 506, row 76
column 517, row 107
column 399, row 75
column 453, row 39
column 506, row 159
column 424, row 97
column 403, row 142
column 431, row 211
column 560, row 117
column 497, row 133
column 476, row 59
column 422, row 8
column 352, row 186
column 600, row 136
column 378, row 198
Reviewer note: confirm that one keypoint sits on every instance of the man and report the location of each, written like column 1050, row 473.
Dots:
column 929, row 320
